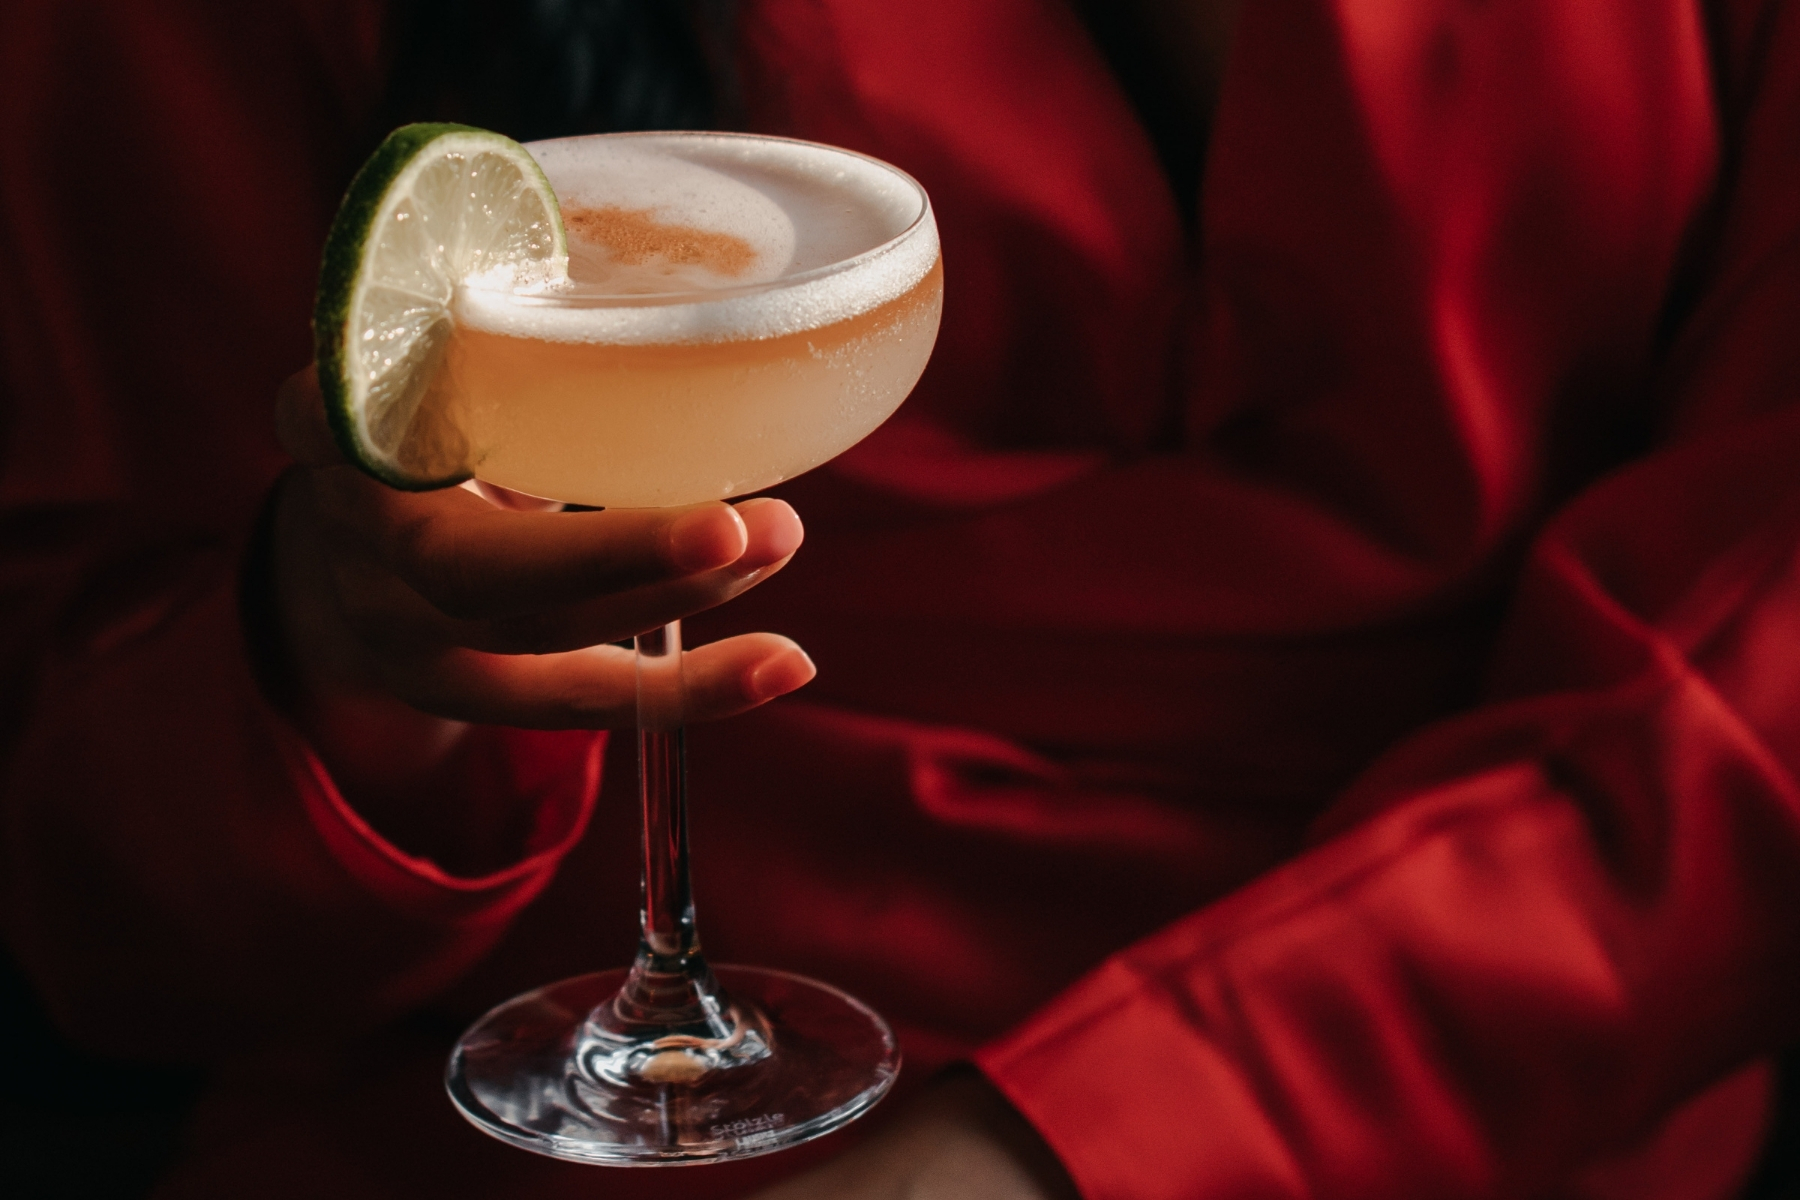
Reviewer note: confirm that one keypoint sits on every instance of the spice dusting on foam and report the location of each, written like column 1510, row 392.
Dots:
column 633, row 236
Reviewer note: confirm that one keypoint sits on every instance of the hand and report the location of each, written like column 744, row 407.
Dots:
column 961, row 1140
column 407, row 614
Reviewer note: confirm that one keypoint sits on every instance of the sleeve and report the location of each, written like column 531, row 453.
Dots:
column 1528, row 933
column 179, row 874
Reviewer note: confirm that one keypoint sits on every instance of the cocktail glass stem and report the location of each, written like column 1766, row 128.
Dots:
column 670, row 1023
column 668, row 938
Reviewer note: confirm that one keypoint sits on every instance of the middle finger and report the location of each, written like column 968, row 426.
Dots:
column 474, row 561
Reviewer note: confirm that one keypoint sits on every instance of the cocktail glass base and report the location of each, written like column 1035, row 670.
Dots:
column 805, row 1060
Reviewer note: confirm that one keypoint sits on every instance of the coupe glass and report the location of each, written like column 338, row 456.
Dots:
column 661, row 376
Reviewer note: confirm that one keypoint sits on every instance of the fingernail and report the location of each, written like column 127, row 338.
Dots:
column 783, row 536
column 782, row 674
column 702, row 539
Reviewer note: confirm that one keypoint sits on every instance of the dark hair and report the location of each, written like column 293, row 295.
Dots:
column 552, row 68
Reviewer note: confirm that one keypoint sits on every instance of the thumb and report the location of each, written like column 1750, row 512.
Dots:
column 300, row 421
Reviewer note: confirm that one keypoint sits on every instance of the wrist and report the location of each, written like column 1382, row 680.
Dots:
column 381, row 752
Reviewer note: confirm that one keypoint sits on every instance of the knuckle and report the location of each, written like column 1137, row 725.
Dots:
column 431, row 553
column 526, row 633
column 422, row 681
column 586, row 710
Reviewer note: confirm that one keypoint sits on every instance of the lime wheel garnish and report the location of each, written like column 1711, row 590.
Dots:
column 435, row 207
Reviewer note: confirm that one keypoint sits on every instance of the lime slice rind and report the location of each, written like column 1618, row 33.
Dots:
column 435, row 206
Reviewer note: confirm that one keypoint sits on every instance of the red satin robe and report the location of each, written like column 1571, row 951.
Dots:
column 1309, row 706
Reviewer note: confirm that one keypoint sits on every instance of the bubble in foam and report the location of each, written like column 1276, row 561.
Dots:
column 656, row 222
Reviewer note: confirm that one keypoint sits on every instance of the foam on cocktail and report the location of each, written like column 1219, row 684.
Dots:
column 737, row 311
column 801, row 210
